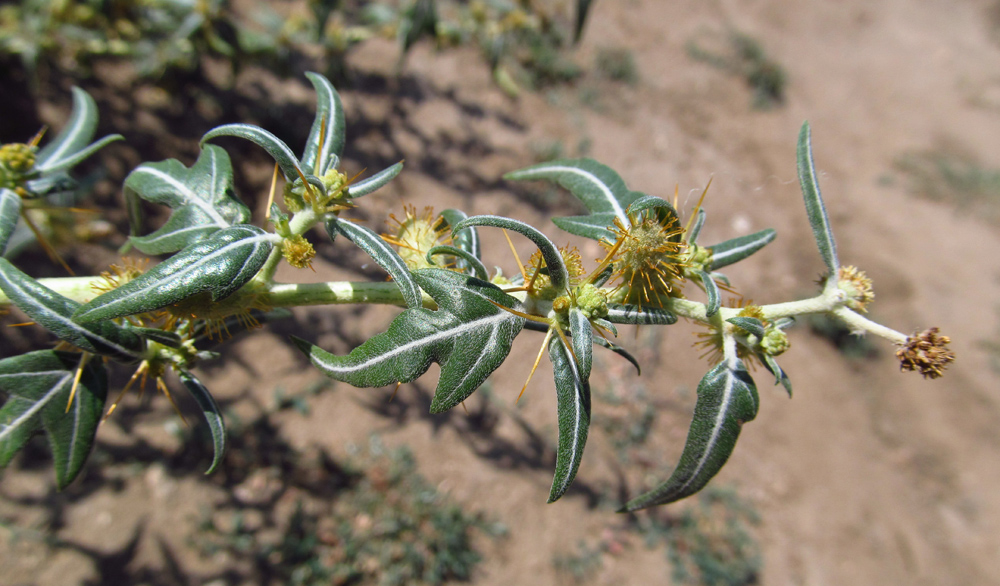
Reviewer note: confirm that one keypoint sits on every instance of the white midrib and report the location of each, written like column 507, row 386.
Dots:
column 41, row 403
column 735, row 251
column 195, row 265
column 720, row 417
column 578, row 405
column 190, row 197
column 619, row 212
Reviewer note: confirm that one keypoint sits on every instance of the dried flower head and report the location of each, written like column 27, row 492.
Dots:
column 926, row 352
column 648, row 257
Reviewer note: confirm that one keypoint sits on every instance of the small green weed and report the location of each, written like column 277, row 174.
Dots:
column 617, row 64
column 940, row 175
column 745, row 57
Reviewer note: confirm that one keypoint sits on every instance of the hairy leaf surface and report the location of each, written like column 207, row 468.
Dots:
column 635, row 315
column 10, row 213
column 279, row 151
column 815, row 209
column 72, row 144
column 384, row 256
column 573, row 412
column 727, row 398
column 328, row 126
column 210, row 410
column 598, row 186
column 739, row 248
column 375, row 182
column 218, row 265
column 469, row 336
column 53, row 312
column 202, row 198
column 550, row 254
column 37, row 386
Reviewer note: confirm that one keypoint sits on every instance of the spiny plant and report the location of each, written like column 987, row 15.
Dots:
column 221, row 272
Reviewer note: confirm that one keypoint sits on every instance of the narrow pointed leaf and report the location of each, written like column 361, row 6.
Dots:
column 635, row 315
column 599, row 187
column 619, row 351
column 201, row 196
column 573, row 411
column 815, row 209
column 466, row 259
column 10, row 212
column 329, row 124
column 53, row 312
column 213, row 416
column 162, row 337
column 727, row 398
column 218, row 265
column 779, row 374
column 737, row 249
column 594, row 226
column 72, row 144
column 550, row 254
column 37, row 386
column 712, row 292
column 384, row 256
column 467, row 239
column 695, row 231
column 582, row 10
column 469, row 336
column 750, row 324
column 279, row 151
column 582, row 340
column 375, row 182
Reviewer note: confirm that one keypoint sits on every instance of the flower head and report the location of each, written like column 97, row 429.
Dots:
column 416, row 235
column 648, row 256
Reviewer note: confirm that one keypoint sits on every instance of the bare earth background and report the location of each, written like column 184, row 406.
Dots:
column 867, row 476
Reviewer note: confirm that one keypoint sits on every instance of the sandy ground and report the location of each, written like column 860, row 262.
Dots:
column 866, row 476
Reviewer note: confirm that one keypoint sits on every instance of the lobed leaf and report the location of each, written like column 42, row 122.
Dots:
column 328, row 126
column 375, row 182
column 815, row 209
column 469, row 336
column 736, row 249
column 218, row 265
column 635, row 315
column 53, row 312
column 727, row 398
column 38, row 386
column 598, row 186
column 573, row 403
column 202, row 198
column 384, row 256
column 550, row 254
column 213, row 416
column 10, row 213
column 279, row 151
column 72, row 144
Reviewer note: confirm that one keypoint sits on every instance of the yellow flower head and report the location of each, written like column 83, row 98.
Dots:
column 648, row 257
column 415, row 235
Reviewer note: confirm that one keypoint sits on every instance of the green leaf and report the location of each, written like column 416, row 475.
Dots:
column 52, row 311
column 737, row 249
column 779, row 374
column 594, row 226
column 711, row 291
column 375, row 182
column 550, row 254
column 72, row 144
column 635, row 315
column 727, row 398
column 10, row 213
column 38, row 386
column 815, row 209
column 202, row 198
column 218, row 265
column 465, row 258
column 279, row 151
column 752, row 325
column 582, row 10
column 573, row 409
column 212, row 415
column 384, row 256
column 467, row 239
column 329, row 123
column 468, row 336
column 699, row 222
column 599, row 187
column 619, row 351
